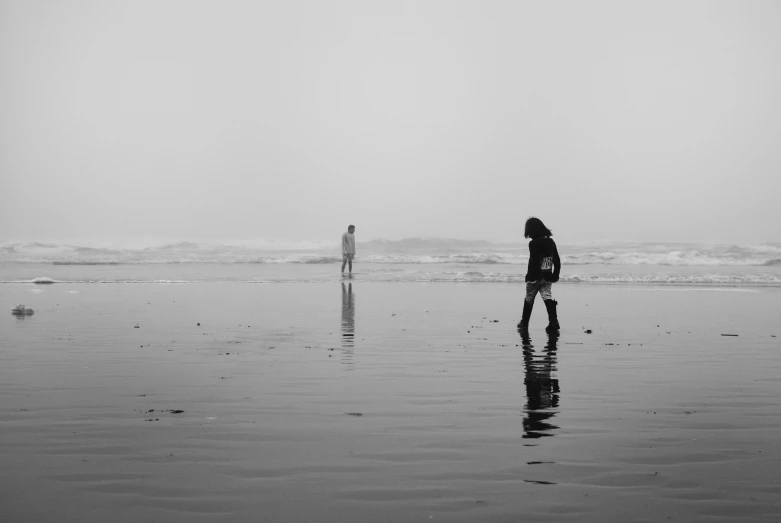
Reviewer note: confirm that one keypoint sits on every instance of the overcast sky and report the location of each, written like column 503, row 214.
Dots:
column 193, row 119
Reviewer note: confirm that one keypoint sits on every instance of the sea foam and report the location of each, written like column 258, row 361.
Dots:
column 414, row 251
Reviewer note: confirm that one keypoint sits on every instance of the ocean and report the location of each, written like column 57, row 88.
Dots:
column 408, row 260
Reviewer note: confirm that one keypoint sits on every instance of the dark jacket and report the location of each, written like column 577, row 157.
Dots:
column 544, row 262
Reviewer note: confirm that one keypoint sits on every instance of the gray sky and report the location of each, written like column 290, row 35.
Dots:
column 655, row 120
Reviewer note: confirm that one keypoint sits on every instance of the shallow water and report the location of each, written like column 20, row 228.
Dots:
column 388, row 402
column 741, row 276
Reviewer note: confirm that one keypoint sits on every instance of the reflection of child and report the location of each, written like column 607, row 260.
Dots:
column 544, row 269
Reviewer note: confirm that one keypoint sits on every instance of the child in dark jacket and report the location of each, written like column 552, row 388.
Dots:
column 544, row 269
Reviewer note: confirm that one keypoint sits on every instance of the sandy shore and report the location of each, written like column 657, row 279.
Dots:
column 388, row 402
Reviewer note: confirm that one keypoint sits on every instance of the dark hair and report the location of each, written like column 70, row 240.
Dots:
column 535, row 229
column 353, row 226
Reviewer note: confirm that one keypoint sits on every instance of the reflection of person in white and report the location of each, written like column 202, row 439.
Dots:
column 348, row 248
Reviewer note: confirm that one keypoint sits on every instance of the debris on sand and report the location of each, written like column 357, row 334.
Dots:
column 43, row 281
column 21, row 310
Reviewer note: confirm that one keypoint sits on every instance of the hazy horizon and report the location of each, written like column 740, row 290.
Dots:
column 91, row 246
column 137, row 242
column 238, row 120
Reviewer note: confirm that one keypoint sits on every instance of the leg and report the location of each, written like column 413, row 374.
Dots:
column 545, row 290
column 350, row 261
column 528, row 304
column 550, row 305
column 344, row 262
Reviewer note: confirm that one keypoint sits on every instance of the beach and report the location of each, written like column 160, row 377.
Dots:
column 372, row 401
column 185, row 182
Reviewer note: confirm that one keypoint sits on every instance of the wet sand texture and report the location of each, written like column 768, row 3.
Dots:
column 388, row 402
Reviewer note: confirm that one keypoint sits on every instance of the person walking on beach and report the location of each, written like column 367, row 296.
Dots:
column 348, row 248
column 544, row 269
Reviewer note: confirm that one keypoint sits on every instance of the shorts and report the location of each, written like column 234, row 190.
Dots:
column 541, row 286
column 347, row 256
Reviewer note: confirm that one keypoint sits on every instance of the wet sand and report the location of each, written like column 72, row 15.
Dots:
column 388, row 402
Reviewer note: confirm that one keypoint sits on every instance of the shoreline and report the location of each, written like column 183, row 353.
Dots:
column 694, row 276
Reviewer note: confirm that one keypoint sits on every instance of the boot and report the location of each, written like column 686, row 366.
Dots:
column 553, row 319
column 527, row 313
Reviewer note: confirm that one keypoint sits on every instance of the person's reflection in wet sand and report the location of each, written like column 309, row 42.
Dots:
column 542, row 388
column 348, row 325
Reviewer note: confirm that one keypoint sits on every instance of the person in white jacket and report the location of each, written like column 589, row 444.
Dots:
column 348, row 248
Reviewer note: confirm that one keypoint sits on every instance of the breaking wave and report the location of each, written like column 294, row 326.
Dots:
column 415, row 251
column 710, row 280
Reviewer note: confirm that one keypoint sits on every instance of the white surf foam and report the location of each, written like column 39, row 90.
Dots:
column 414, row 251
